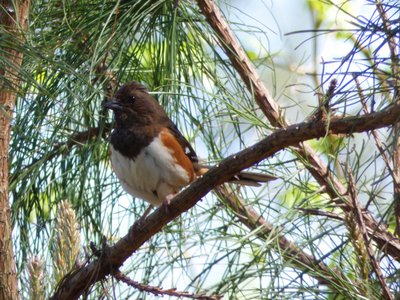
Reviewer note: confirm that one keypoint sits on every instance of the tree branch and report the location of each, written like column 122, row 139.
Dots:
column 80, row 280
column 13, row 24
column 333, row 187
column 241, row 62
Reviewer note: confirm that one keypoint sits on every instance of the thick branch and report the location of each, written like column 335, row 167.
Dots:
column 333, row 187
column 75, row 284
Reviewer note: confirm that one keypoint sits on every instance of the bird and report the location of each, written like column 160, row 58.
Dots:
column 149, row 155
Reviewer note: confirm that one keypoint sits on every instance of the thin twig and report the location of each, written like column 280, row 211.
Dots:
column 318, row 212
column 377, row 139
column 157, row 291
column 367, row 241
column 381, row 75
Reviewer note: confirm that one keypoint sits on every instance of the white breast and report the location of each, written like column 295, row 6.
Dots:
column 153, row 174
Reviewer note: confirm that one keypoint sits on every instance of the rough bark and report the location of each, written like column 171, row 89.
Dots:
column 13, row 22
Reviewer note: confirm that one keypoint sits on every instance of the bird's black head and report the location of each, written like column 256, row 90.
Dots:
column 133, row 105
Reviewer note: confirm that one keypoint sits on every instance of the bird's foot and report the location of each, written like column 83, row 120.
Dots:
column 167, row 202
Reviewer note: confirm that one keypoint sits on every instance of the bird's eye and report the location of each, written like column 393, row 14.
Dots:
column 132, row 98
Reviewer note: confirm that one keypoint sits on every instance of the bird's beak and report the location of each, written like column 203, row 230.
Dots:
column 113, row 104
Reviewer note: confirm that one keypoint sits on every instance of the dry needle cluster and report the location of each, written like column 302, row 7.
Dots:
column 66, row 240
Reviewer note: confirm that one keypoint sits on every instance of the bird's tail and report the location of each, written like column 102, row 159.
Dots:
column 251, row 178
column 243, row 178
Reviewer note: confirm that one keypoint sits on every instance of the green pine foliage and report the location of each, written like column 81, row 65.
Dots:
column 76, row 53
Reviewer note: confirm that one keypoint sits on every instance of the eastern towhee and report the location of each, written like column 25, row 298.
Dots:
column 149, row 155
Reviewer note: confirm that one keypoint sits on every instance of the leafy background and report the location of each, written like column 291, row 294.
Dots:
column 76, row 53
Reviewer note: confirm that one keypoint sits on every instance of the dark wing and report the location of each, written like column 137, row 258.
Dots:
column 187, row 148
column 245, row 178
